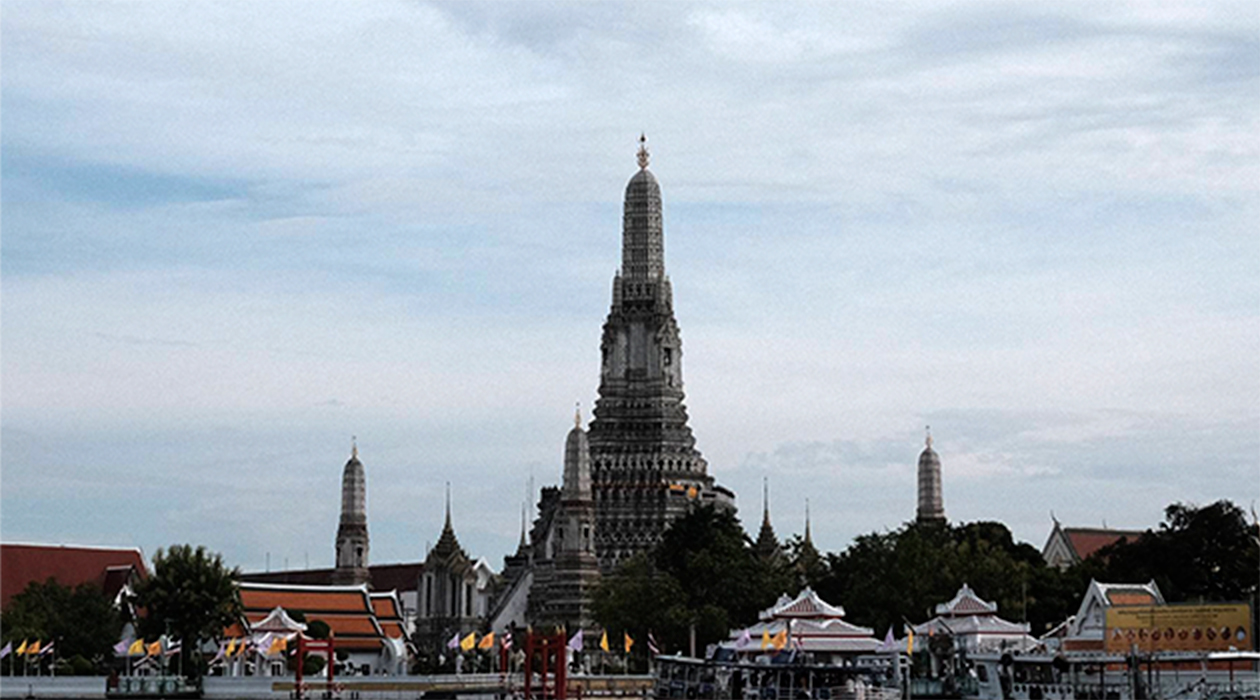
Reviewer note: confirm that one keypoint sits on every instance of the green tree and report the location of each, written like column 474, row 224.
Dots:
column 703, row 573
column 192, row 595
column 1198, row 554
column 82, row 621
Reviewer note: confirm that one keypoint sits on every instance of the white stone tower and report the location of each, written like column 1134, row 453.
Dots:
column 564, row 597
column 931, row 504
column 352, row 530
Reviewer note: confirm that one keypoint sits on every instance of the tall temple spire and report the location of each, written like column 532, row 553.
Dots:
column 931, row 504
column 563, row 592
column 351, row 547
column 447, row 526
column 646, row 468
column 765, row 501
column 767, row 545
column 807, row 537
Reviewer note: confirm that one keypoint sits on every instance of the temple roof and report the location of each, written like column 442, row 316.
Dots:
column 966, row 602
column 806, row 605
column 447, row 548
column 71, row 565
column 349, row 611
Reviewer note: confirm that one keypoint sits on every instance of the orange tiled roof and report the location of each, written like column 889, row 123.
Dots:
column 307, row 599
column 1131, row 597
column 393, row 630
column 385, row 607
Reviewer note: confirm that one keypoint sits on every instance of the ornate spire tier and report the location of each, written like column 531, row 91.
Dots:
column 646, row 470
column 931, row 504
column 352, row 531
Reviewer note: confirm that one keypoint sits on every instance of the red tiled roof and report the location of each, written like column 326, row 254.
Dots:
column 70, row 565
column 1087, row 541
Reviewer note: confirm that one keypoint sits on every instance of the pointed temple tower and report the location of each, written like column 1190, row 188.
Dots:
column 767, row 545
column 646, row 470
column 563, row 591
column 931, row 505
column 352, row 532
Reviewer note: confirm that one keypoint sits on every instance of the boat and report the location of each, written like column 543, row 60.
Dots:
column 1225, row 675
column 786, row 678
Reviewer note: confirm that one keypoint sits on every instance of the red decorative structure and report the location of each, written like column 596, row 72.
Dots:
column 306, row 645
column 545, row 655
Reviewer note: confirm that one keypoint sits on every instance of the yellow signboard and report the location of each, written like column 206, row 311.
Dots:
column 1154, row 628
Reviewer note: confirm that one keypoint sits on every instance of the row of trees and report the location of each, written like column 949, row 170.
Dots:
column 190, row 596
column 705, row 573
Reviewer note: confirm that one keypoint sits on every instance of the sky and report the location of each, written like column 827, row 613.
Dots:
column 236, row 234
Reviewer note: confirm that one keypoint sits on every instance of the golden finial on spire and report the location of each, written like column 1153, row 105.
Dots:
column 577, row 414
column 928, row 429
column 643, row 152
column 354, row 447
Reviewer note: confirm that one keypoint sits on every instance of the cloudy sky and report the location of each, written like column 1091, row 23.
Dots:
column 237, row 234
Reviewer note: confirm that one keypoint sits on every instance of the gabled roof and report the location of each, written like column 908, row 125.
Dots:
column 277, row 621
column 71, row 565
column 973, row 625
column 805, row 605
column 966, row 602
column 1086, row 541
column 1130, row 593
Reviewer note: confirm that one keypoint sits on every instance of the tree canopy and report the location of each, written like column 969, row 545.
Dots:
column 1206, row 554
column 191, row 594
column 82, row 621
column 703, row 573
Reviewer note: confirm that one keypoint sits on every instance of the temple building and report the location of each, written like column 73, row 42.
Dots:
column 351, row 548
column 456, row 591
column 549, row 581
column 446, row 593
column 367, row 626
column 931, row 505
column 1068, row 546
column 1085, row 630
column 646, row 469
column 565, row 581
column 806, row 623
column 975, row 626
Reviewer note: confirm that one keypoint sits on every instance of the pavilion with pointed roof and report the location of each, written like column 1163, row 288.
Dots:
column 813, row 626
column 975, row 626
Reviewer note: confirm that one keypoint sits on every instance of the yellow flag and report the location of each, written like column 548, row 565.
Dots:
column 780, row 639
column 487, row 642
column 231, row 647
column 33, row 649
column 909, row 640
column 467, row 643
column 137, row 647
column 155, row 648
column 603, row 641
column 21, row 649
column 765, row 639
column 629, row 642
